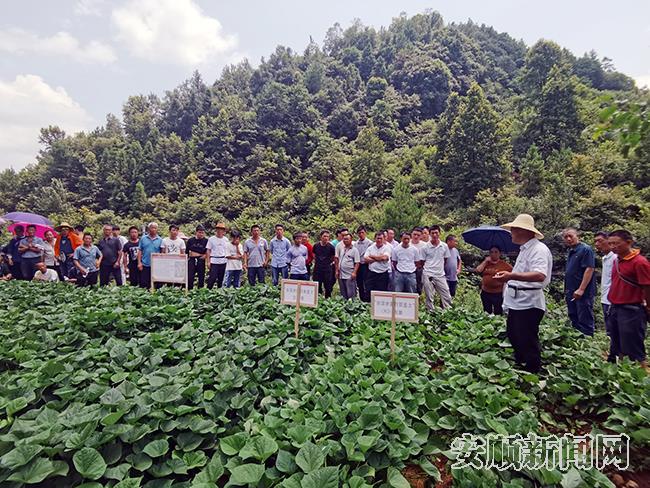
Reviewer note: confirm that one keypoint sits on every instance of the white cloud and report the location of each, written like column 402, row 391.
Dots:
column 89, row 7
column 643, row 81
column 27, row 104
column 170, row 31
column 19, row 41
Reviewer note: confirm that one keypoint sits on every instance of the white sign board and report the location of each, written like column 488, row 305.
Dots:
column 401, row 307
column 169, row 268
column 308, row 293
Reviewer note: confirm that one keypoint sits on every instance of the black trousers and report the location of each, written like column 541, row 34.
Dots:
column 326, row 279
column 105, row 273
column 492, row 302
column 195, row 267
column 419, row 286
column 628, row 325
column 217, row 272
column 145, row 277
column 57, row 268
column 134, row 274
column 523, row 333
column 28, row 267
column 89, row 280
column 364, row 294
column 376, row 282
column 16, row 271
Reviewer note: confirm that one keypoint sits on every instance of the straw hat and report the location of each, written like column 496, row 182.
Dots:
column 62, row 225
column 526, row 222
column 221, row 225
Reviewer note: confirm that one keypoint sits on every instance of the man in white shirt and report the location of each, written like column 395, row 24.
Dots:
column 346, row 262
column 406, row 259
column 362, row 244
column 524, row 294
column 377, row 256
column 601, row 242
column 173, row 244
column 43, row 273
column 434, row 255
column 215, row 256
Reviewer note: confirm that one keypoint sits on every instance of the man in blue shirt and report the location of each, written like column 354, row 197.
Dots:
column 31, row 251
column 14, row 258
column 87, row 259
column 150, row 243
column 579, row 283
column 297, row 256
column 279, row 246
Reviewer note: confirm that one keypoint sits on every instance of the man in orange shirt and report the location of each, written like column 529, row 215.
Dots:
column 64, row 247
column 491, row 289
column 629, row 295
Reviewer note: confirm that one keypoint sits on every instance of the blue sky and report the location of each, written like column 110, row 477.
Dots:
column 71, row 62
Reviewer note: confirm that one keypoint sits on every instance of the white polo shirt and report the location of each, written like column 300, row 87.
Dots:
column 434, row 259
column 606, row 279
column 405, row 258
column 533, row 256
column 379, row 266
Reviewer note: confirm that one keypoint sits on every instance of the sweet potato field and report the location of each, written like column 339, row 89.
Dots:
column 124, row 388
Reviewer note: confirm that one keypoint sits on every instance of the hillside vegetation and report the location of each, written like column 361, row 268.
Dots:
column 418, row 121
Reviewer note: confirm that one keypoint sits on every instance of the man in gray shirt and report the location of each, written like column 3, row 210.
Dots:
column 297, row 257
column 31, row 252
column 256, row 256
column 452, row 265
column 347, row 262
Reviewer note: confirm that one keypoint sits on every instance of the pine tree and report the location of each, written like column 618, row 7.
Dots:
column 368, row 164
column 557, row 124
column 402, row 211
column 532, row 173
column 138, row 200
column 475, row 157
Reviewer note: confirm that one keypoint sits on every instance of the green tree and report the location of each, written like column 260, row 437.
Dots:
column 557, row 124
column 476, row 156
column 368, row 164
column 330, row 172
column 540, row 60
column 138, row 200
column 402, row 211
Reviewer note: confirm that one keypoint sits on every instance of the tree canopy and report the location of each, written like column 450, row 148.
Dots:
column 472, row 122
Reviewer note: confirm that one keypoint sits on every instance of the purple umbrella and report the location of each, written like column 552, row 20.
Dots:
column 27, row 217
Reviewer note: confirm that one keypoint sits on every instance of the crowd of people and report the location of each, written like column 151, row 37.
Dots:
column 419, row 261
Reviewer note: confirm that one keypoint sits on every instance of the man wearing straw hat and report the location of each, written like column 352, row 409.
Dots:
column 215, row 256
column 64, row 247
column 524, row 293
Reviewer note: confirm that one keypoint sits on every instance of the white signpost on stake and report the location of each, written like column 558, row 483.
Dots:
column 299, row 293
column 168, row 268
column 396, row 307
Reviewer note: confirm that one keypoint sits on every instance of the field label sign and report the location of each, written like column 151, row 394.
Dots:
column 396, row 307
column 308, row 293
column 299, row 293
column 168, row 268
column 404, row 306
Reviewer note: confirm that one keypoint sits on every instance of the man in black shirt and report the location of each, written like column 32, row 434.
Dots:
column 196, row 250
column 324, row 264
column 111, row 250
column 130, row 256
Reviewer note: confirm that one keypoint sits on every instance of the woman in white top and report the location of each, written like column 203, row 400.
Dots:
column 234, row 264
column 49, row 257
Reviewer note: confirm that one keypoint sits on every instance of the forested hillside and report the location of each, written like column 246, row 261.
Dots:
column 421, row 120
